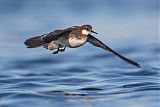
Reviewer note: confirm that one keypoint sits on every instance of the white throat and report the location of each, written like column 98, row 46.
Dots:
column 85, row 32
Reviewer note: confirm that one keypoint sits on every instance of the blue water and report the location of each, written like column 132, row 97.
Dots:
column 86, row 76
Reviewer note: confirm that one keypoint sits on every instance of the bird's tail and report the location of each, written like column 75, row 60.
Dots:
column 34, row 42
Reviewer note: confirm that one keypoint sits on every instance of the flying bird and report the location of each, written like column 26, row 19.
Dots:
column 71, row 37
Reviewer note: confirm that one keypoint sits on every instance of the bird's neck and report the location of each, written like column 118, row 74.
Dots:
column 82, row 34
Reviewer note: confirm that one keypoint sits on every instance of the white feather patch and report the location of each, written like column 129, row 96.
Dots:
column 85, row 32
column 74, row 42
column 53, row 45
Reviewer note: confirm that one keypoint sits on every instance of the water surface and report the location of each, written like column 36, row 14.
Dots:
column 86, row 76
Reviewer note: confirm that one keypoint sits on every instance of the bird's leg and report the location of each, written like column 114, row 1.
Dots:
column 55, row 52
column 62, row 50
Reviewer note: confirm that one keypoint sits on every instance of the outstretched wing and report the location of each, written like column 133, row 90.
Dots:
column 55, row 35
column 94, row 41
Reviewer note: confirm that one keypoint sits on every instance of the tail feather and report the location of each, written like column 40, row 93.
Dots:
column 34, row 42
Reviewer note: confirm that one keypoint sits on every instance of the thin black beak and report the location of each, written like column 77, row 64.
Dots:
column 94, row 32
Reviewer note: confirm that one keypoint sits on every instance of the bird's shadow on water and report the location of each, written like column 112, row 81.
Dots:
column 92, row 92
column 122, row 89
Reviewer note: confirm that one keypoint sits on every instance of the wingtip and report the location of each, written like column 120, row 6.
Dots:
column 138, row 65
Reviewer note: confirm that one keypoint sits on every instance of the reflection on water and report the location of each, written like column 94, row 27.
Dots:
column 86, row 76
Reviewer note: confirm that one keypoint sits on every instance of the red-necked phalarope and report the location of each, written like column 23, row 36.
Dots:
column 71, row 37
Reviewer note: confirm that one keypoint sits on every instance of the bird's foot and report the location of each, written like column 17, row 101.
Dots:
column 59, row 50
column 55, row 52
column 62, row 50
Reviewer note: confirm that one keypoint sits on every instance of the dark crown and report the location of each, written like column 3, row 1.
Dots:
column 88, row 27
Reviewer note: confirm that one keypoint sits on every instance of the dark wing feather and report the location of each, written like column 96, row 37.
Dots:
column 94, row 41
column 55, row 35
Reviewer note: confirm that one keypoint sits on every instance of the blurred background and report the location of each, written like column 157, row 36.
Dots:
column 117, row 22
column 130, row 27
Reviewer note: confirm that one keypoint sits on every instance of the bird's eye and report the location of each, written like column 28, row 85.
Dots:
column 86, row 28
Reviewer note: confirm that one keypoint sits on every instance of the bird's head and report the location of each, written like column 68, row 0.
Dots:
column 87, row 29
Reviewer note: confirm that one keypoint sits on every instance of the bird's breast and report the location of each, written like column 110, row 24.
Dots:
column 75, row 42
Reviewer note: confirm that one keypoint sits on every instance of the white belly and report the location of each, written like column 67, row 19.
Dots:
column 74, row 42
